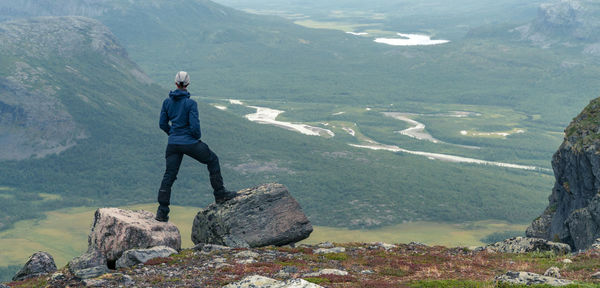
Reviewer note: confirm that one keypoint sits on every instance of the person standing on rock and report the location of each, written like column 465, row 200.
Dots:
column 184, row 139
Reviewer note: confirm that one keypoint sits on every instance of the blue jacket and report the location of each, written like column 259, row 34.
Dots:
column 182, row 112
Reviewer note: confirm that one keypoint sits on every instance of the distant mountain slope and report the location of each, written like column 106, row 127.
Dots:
column 565, row 22
column 36, row 119
column 71, row 96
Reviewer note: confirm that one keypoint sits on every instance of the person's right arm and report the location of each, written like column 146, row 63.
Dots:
column 163, row 123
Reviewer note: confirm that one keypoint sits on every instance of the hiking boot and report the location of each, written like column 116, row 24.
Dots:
column 162, row 214
column 224, row 195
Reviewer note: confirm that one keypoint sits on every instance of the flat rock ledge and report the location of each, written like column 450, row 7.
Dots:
column 529, row 278
column 260, row 216
column 527, row 244
column 116, row 230
column 137, row 256
column 88, row 265
column 257, row 281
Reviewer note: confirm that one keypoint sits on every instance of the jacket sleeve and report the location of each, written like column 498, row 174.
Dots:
column 194, row 121
column 163, row 123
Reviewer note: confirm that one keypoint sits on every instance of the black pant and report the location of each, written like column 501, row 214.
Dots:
column 198, row 151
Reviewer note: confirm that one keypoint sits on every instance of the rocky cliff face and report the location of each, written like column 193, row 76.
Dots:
column 573, row 214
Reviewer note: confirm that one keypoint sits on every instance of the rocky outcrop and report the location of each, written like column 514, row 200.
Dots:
column 529, row 278
column 525, row 245
column 116, row 230
column 259, row 216
column 38, row 264
column 137, row 256
column 573, row 214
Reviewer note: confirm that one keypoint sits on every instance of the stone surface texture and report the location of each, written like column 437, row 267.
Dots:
column 38, row 264
column 257, row 281
column 137, row 256
column 573, row 213
column 116, row 230
column 89, row 265
column 322, row 272
column 529, row 278
column 526, row 244
column 259, row 216
column 552, row 272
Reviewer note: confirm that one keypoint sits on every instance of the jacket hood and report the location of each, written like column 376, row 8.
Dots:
column 179, row 94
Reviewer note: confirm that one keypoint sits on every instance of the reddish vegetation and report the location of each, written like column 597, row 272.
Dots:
column 368, row 265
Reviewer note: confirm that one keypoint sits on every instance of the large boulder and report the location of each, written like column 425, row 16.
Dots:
column 116, row 230
column 526, row 244
column 39, row 263
column 259, row 216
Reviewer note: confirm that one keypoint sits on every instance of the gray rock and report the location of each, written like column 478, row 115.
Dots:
column 254, row 281
column 260, row 216
column 573, row 213
column 290, row 269
column 39, row 263
column 246, row 261
column 596, row 244
column 528, row 278
column 329, row 250
column 81, row 266
column 385, row 246
column 595, row 275
column 55, row 276
column 526, row 244
column 116, row 230
column 137, row 256
column 95, row 282
column 246, row 254
column 87, row 260
column 326, row 272
column 91, row 272
column 326, row 245
column 257, row 281
column 552, row 272
column 122, row 279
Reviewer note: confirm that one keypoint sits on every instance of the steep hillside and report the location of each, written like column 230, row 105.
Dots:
column 69, row 95
column 36, row 119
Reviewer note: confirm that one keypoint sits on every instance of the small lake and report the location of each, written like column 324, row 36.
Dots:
column 410, row 40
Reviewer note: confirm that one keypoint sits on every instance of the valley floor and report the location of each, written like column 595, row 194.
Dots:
column 356, row 265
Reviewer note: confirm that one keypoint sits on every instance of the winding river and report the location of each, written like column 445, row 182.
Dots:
column 268, row 116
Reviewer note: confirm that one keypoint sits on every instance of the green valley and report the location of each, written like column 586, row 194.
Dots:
column 79, row 103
